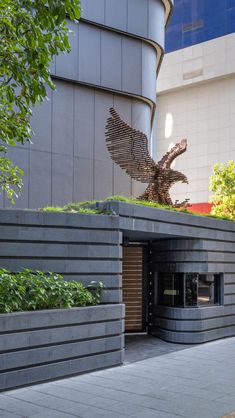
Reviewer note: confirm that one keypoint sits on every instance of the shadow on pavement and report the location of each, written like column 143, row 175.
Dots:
column 142, row 347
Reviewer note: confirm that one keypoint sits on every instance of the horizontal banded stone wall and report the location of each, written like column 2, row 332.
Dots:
column 80, row 247
column 200, row 324
column 88, row 247
column 44, row 345
column 184, row 243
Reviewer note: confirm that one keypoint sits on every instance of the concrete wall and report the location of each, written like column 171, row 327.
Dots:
column 196, row 100
column 80, row 247
column 43, row 345
column 116, row 51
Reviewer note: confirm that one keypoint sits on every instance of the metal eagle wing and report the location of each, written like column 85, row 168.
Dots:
column 174, row 152
column 129, row 149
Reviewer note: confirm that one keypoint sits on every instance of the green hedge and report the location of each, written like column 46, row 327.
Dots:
column 32, row 290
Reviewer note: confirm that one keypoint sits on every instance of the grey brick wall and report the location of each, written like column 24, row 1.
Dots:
column 89, row 247
column 185, row 243
column 43, row 345
column 80, row 247
column 196, row 325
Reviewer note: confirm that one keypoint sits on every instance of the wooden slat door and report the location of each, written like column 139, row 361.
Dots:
column 133, row 288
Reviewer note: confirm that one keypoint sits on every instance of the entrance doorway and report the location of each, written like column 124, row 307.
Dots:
column 134, row 289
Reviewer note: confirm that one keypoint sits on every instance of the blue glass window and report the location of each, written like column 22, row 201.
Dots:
column 196, row 21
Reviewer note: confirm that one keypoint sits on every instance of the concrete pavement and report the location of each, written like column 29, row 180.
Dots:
column 197, row 382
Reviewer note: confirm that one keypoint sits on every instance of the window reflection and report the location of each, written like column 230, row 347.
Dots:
column 171, row 289
column 191, row 296
column 188, row 289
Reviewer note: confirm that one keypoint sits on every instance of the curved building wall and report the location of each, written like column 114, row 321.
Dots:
column 199, row 324
column 116, row 51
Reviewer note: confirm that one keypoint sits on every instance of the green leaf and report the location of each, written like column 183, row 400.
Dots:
column 222, row 184
column 32, row 33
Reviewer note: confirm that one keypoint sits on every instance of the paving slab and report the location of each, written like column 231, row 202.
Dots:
column 193, row 382
column 140, row 347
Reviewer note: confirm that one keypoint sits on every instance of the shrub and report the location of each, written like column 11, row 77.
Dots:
column 32, row 290
column 222, row 184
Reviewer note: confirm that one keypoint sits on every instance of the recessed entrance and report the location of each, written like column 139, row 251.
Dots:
column 134, row 288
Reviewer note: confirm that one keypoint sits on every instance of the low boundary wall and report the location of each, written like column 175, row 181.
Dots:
column 89, row 247
column 44, row 345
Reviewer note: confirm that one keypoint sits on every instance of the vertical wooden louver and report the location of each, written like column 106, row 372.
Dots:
column 133, row 287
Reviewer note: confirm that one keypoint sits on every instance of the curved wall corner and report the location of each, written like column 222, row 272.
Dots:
column 194, row 325
column 116, row 50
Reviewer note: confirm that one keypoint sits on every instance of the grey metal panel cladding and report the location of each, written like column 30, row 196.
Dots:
column 137, row 17
column 116, row 14
column 84, row 113
column 149, row 70
column 141, row 117
column 107, row 58
column 103, row 179
column 40, row 176
column 83, row 179
column 42, row 123
column 62, row 179
column 67, row 64
column 111, row 60
column 156, row 16
column 84, row 138
column 72, row 123
column 62, row 119
column 93, row 10
column 132, row 66
column 89, row 54
column 121, row 183
column 103, row 102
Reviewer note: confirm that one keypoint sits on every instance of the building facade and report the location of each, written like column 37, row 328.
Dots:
column 196, row 91
column 117, row 48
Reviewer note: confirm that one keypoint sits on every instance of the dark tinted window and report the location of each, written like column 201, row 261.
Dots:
column 208, row 289
column 191, row 281
column 170, row 289
column 188, row 289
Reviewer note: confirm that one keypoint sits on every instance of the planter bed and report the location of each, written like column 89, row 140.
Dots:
column 43, row 345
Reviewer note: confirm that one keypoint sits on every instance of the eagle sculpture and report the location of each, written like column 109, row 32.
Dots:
column 129, row 149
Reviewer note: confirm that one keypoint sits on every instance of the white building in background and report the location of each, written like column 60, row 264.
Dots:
column 196, row 92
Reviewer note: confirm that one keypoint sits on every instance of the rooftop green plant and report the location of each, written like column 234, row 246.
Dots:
column 89, row 207
column 78, row 208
